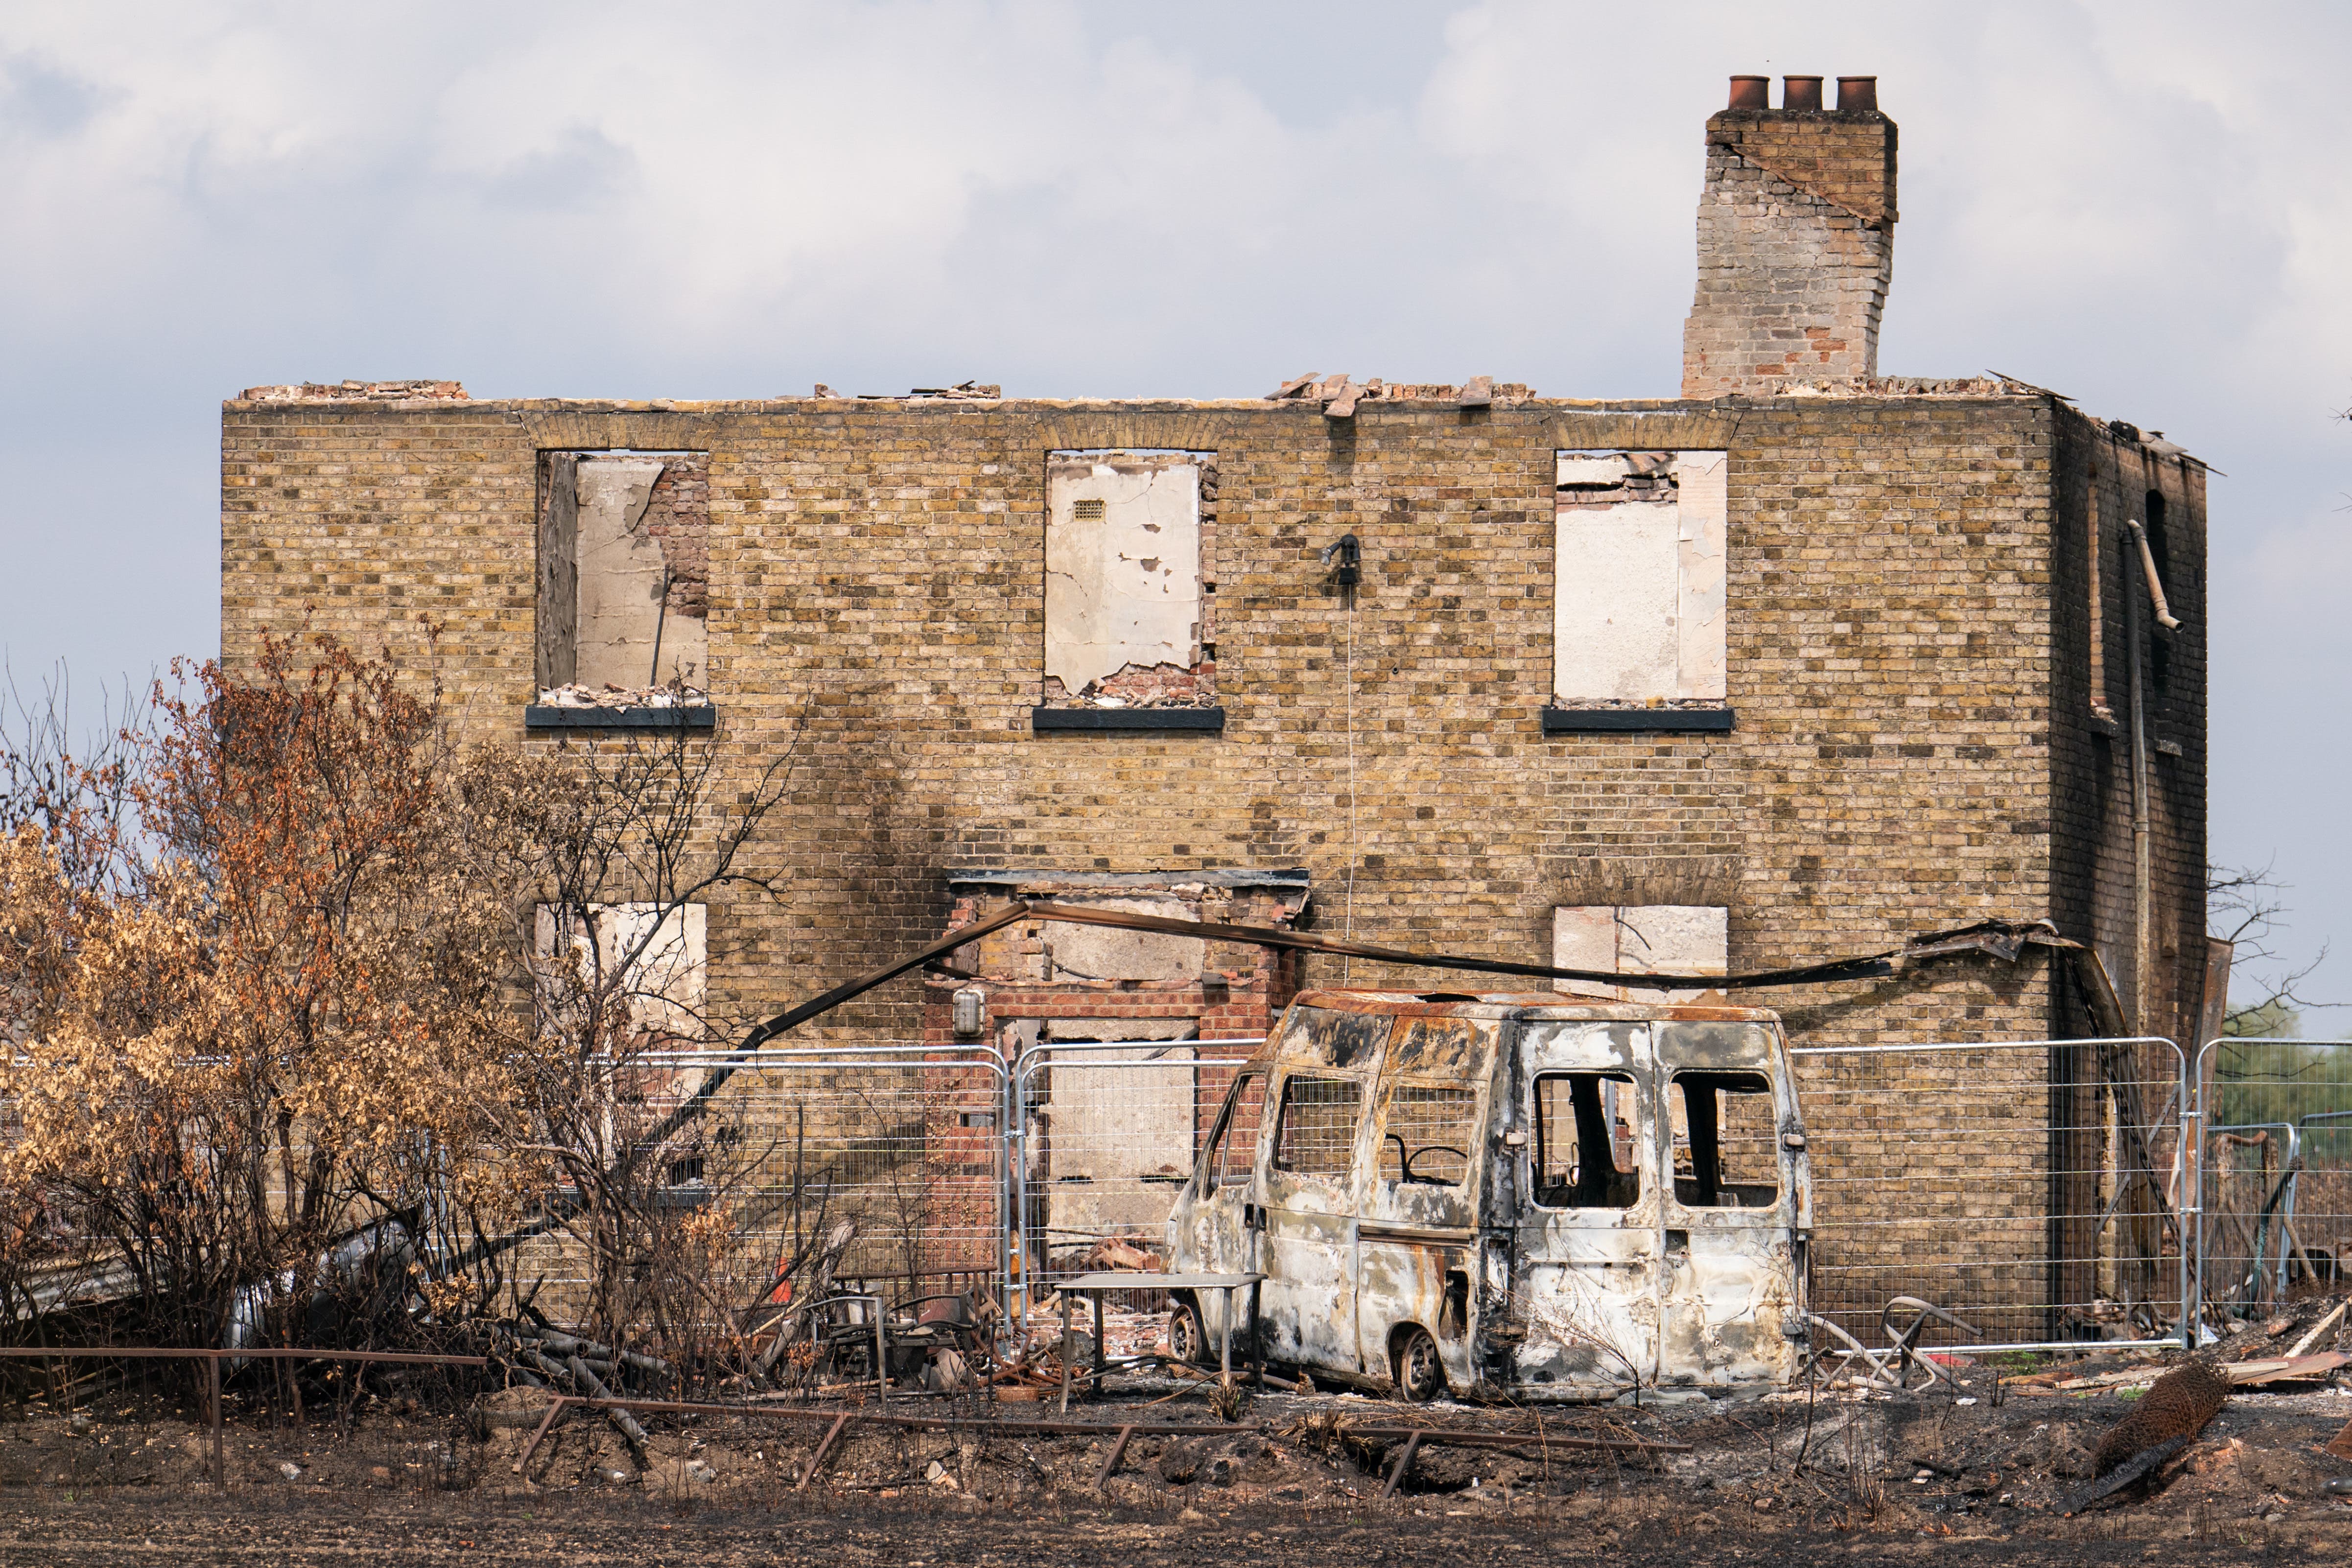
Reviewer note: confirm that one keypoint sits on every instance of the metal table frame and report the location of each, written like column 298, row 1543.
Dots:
column 1094, row 1285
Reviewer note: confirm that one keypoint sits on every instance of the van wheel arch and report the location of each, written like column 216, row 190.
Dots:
column 1416, row 1372
column 1185, row 1322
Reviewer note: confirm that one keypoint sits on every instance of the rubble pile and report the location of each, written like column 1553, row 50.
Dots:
column 675, row 694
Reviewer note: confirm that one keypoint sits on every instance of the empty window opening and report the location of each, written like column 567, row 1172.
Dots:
column 623, row 574
column 1232, row 1151
column 1727, row 1142
column 1129, row 598
column 1638, row 578
column 1316, row 1135
column 1428, row 1135
column 1588, row 1125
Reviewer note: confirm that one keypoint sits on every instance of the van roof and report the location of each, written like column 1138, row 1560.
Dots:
column 1541, row 1005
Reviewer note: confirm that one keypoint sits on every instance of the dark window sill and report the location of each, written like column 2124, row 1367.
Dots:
column 1657, row 720
column 1043, row 720
column 702, row 717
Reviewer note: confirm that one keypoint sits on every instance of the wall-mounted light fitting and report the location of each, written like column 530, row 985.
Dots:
column 1343, row 556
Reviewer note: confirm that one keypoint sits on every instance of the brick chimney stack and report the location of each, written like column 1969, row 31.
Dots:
column 1796, row 239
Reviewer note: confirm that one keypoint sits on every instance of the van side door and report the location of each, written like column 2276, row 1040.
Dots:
column 1325, row 1064
column 1417, row 1242
column 1587, row 1270
column 1731, row 1179
column 1214, row 1227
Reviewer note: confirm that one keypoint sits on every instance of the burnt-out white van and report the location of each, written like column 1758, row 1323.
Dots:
column 1506, row 1197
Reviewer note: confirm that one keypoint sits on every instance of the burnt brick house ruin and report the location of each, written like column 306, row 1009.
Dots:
column 1797, row 663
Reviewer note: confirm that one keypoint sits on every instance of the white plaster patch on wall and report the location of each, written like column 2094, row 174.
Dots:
column 1105, row 953
column 1117, row 1141
column 1637, row 939
column 652, row 961
column 622, row 580
column 1702, row 508
column 1639, row 577
column 1123, row 580
column 1614, row 611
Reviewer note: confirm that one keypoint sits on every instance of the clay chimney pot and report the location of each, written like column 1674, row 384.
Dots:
column 1857, row 95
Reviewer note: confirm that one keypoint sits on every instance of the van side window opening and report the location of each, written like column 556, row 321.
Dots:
column 1317, row 1134
column 1428, row 1135
column 1587, row 1127
column 1727, row 1146
column 1232, row 1155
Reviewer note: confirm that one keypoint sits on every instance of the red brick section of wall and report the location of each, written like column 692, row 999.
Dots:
column 1242, row 990
column 677, row 515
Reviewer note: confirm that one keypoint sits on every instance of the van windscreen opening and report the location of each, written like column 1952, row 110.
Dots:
column 1588, row 1126
column 1232, row 1156
column 1727, row 1147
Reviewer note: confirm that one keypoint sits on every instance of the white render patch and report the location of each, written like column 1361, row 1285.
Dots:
column 1640, row 939
column 622, row 582
column 1702, row 522
column 1124, row 589
column 1107, row 953
column 652, row 960
column 1639, row 577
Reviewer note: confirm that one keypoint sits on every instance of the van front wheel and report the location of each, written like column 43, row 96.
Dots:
column 1186, row 1340
column 1419, row 1374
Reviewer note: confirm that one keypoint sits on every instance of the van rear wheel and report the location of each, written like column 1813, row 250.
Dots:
column 1420, row 1373
column 1187, row 1341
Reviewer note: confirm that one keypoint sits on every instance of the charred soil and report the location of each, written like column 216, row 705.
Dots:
column 1961, row 1474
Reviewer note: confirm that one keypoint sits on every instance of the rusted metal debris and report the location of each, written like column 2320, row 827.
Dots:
column 838, row 1422
column 1415, row 1439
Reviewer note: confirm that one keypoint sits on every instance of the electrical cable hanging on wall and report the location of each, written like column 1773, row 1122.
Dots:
column 1343, row 556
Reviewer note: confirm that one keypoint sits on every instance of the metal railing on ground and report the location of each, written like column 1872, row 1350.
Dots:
column 2275, row 1217
column 2041, row 1190
column 1101, row 1136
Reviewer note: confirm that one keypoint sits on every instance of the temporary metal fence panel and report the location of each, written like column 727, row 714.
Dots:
column 904, row 1142
column 2277, row 1210
column 1104, row 1134
column 2038, row 1189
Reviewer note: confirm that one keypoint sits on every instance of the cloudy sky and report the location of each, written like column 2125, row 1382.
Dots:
column 2144, row 205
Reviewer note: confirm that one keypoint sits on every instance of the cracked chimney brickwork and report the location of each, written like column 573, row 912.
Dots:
column 1796, row 246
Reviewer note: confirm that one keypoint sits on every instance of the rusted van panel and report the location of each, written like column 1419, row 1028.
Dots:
column 1550, row 1198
